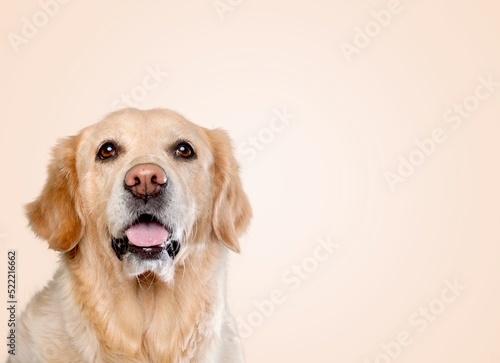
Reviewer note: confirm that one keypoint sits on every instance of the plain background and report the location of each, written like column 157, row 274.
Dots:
column 322, row 177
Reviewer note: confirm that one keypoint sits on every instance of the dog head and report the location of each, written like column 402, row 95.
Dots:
column 143, row 188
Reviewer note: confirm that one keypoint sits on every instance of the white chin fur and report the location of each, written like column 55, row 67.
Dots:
column 163, row 268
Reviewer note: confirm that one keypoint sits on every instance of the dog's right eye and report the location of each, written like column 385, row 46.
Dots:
column 107, row 150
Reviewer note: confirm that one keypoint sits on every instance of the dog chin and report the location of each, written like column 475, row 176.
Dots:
column 161, row 268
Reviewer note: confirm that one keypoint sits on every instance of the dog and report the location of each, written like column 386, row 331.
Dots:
column 144, row 207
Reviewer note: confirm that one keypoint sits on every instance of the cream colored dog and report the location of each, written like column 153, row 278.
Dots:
column 142, row 206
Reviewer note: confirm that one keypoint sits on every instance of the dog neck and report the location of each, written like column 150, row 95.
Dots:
column 144, row 317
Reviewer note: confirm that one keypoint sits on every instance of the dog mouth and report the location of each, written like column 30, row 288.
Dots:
column 147, row 238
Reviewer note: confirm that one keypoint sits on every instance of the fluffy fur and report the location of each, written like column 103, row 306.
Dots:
column 101, row 309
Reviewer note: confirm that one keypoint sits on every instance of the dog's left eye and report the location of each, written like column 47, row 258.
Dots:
column 184, row 150
column 106, row 151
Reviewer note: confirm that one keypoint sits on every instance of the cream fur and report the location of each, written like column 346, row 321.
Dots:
column 98, row 308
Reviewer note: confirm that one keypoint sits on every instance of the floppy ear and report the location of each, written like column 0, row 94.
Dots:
column 231, row 211
column 53, row 216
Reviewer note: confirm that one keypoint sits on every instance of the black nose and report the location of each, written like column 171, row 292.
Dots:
column 145, row 180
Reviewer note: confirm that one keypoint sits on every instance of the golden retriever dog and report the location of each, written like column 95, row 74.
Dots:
column 143, row 207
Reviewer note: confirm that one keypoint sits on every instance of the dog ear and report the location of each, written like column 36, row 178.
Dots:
column 231, row 211
column 54, row 216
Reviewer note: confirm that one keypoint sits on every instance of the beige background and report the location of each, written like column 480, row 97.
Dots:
column 321, row 177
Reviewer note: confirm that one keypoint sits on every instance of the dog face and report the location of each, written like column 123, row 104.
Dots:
column 144, row 190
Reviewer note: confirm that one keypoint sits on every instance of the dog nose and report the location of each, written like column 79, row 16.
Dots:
column 145, row 180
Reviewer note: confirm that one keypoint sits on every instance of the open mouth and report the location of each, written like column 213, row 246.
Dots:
column 147, row 238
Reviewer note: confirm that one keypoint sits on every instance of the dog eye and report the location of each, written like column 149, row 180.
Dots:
column 107, row 150
column 184, row 150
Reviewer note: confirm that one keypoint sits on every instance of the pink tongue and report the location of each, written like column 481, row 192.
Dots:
column 147, row 234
